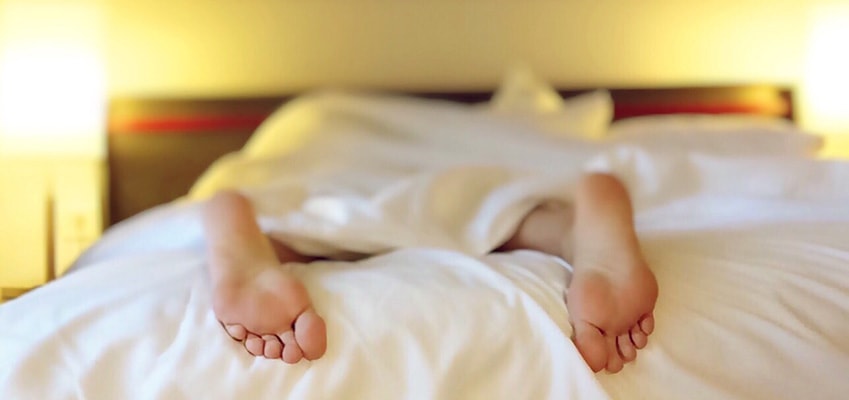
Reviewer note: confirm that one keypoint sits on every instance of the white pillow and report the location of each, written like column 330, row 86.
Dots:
column 720, row 134
column 526, row 98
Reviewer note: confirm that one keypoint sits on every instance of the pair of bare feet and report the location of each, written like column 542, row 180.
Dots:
column 610, row 298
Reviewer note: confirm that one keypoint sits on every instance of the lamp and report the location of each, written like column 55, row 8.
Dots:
column 52, row 124
column 825, row 83
column 52, row 80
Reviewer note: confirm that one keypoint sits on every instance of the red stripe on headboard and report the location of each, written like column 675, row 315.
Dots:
column 636, row 110
column 199, row 124
column 189, row 124
column 152, row 117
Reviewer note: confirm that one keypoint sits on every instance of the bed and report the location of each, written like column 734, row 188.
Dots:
column 744, row 228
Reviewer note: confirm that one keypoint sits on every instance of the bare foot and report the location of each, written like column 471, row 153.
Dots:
column 270, row 311
column 257, row 300
column 611, row 310
column 612, row 293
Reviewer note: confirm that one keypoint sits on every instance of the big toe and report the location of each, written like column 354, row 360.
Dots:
column 592, row 345
column 311, row 334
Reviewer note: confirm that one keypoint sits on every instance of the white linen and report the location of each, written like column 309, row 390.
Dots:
column 729, row 135
column 534, row 102
column 323, row 125
column 760, row 312
column 750, row 253
column 411, row 324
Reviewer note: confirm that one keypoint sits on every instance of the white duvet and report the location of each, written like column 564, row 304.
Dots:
column 751, row 254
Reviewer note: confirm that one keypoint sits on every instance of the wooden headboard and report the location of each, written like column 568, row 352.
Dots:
column 158, row 147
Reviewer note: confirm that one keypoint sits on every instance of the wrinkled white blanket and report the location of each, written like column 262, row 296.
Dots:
column 751, row 256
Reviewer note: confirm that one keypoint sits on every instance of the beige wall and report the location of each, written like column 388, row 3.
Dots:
column 229, row 47
column 194, row 47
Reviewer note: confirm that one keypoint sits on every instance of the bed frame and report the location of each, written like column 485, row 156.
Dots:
column 158, row 147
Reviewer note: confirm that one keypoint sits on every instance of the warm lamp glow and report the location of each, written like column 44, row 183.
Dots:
column 825, row 86
column 52, row 81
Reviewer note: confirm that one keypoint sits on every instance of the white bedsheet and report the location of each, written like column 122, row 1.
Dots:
column 752, row 258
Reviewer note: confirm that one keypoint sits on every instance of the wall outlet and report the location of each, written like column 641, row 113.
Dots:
column 77, row 210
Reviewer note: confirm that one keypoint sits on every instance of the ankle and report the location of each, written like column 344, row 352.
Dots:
column 607, row 258
column 235, row 271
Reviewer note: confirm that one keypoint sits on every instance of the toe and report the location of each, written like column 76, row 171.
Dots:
column 254, row 344
column 626, row 348
column 614, row 361
column 638, row 338
column 591, row 344
column 311, row 334
column 292, row 353
column 647, row 324
column 236, row 331
column 273, row 347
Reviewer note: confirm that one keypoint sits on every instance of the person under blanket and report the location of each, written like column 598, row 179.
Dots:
column 610, row 298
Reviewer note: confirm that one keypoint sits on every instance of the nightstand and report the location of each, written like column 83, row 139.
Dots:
column 836, row 146
column 51, row 210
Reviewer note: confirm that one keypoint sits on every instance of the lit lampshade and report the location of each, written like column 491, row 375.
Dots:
column 52, row 79
column 825, row 85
